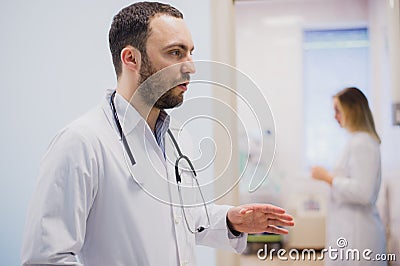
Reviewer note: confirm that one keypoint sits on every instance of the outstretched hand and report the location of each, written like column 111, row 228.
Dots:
column 259, row 218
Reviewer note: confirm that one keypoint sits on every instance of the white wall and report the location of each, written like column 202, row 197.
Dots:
column 385, row 56
column 55, row 65
column 385, row 52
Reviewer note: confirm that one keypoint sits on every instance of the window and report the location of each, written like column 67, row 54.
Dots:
column 333, row 60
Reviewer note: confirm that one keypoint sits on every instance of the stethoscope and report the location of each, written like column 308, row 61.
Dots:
column 181, row 157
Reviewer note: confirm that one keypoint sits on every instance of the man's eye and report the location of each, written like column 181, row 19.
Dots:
column 176, row 53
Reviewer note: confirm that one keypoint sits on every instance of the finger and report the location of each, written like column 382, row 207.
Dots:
column 276, row 230
column 268, row 208
column 244, row 211
column 277, row 222
column 266, row 221
column 285, row 216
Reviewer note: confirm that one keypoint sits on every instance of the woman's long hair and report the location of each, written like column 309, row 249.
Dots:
column 356, row 111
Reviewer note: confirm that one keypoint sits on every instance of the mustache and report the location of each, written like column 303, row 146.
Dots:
column 161, row 82
column 185, row 77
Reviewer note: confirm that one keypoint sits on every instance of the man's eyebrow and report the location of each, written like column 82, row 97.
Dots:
column 180, row 45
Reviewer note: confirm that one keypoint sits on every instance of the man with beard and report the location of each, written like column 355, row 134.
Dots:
column 105, row 194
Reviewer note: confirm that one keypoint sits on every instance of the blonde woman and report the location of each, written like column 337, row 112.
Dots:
column 353, row 221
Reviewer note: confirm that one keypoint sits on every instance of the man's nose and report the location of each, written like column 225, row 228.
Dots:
column 188, row 67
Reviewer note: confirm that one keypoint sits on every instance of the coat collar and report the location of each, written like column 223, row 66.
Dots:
column 128, row 116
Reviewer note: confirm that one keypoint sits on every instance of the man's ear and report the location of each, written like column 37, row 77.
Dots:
column 131, row 58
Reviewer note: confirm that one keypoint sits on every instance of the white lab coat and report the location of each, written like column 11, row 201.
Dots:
column 91, row 209
column 352, row 211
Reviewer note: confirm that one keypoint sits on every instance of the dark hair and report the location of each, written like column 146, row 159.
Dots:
column 131, row 27
column 357, row 114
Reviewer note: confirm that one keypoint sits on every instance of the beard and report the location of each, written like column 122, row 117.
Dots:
column 153, row 91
